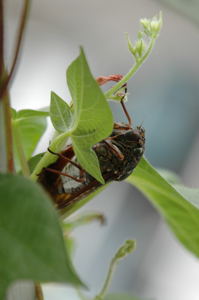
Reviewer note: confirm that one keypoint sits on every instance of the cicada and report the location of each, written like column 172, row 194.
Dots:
column 118, row 154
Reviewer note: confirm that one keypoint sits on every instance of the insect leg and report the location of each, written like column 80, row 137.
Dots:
column 108, row 143
column 64, row 174
column 117, row 77
column 82, row 171
column 126, row 113
column 124, row 108
column 67, row 159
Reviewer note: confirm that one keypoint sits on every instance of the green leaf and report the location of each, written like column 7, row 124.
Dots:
column 31, row 114
column 93, row 120
column 87, row 158
column 13, row 114
column 32, row 245
column 192, row 195
column 181, row 215
column 120, row 297
column 28, row 127
column 170, row 176
column 33, row 161
column 60, row 114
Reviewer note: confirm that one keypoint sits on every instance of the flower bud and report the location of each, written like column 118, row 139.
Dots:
column 151, row 28
column 131, row 48
column 154, row 26
column 140, row 34
column 138, row 45
column 145, row 23
column 128, row 248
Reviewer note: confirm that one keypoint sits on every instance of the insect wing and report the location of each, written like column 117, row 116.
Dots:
column 66, row 191
column 68, row 199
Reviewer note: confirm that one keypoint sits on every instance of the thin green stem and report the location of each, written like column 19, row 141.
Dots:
column 21, row 154
column 132, row 71
column 126, row 249
column 45, row 161
column 49, row 158
column 6, row 150
column 111, row 271
column 6, row 153
column 80, row 293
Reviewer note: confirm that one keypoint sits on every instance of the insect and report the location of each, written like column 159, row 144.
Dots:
column 119, row 154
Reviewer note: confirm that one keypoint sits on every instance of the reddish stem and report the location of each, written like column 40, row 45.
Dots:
column 1, row 38
column 6, row 80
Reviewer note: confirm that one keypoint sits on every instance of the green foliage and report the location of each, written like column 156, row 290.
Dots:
column 170, row 176
column 28, row 126
column 191, row 195
column 93, row 120
column 32, row 245
column 123, row 251
column 180, row 214
column 33, row 161
column 60, row 114
column 139, row 51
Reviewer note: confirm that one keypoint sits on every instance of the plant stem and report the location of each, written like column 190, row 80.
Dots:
column 79, row 293
column 38, row 291
column 1, row 37
column 6, row 152
column 6, row 129
column 42, row 163
column 49, row 158
column 20, row 152
column 8, row 132
column 111, row 271
column 132, row 71
column 6, row 79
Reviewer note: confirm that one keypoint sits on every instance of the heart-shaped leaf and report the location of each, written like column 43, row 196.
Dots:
column 28, row 127
column 181, row 215
column 93, row 120
column 60, row 114
column 32, row 245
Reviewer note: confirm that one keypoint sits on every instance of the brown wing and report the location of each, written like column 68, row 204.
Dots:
column 67, row 199
column 52, row 181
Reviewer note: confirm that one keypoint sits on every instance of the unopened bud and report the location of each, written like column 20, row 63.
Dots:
column 128, row 248
column 151, row 28
column 131, row 48
column 140, row 34
column 145, row 23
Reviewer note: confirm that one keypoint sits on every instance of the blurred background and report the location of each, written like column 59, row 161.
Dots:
column 165, row 88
